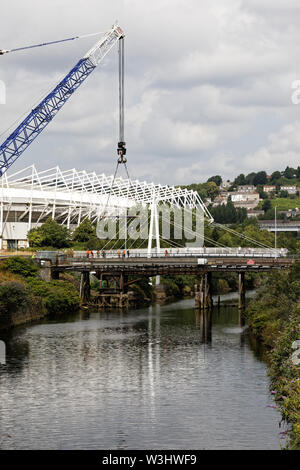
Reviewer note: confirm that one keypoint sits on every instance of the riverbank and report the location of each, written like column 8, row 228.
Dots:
column 25, row 297
column 274, row 318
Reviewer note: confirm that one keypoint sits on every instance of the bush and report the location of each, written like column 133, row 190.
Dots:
column 222, row 286
column 13, row 295
column 23, row 266
column 58, row 296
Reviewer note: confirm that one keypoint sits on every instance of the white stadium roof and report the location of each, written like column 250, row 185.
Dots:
column 89, row 193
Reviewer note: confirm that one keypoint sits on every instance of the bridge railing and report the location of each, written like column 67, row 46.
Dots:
column 58, row 257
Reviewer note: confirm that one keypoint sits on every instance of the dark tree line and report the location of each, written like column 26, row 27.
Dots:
column 228, row 214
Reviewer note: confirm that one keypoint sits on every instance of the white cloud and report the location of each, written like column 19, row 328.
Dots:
column 283, row 149
column 200, row 76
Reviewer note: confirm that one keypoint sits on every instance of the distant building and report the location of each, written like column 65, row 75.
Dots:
column 247, row 200
column 253, row 213
column 289, row 189
column 291, row 213
column 221, row 199
column 269, row 188
column 207, row 202
column 247, row 188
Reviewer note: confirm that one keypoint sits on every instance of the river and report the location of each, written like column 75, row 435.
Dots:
column 161, row 377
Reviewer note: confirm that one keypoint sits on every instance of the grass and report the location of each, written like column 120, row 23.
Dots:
column 284, row 204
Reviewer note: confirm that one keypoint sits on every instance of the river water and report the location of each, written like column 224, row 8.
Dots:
column 161, row 377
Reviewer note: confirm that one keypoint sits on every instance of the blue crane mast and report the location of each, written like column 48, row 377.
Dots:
column 36, row 121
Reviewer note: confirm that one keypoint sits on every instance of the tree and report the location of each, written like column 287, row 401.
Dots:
column 276, row 175
column 260, row 178
column 267, row 205
column 227, row 214
column 50, row 233
column 215, row 179
column 84, row 231
column 240, row 180
column 35, row 238
column 250, row 178
column 263, row 195
column 289, row 172
column 211, row 189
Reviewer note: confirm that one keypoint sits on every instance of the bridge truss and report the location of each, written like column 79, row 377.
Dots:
column 29, row 197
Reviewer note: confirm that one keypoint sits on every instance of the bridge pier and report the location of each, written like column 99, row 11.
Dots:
column 85, row 287
column 242, row 291
column 203, row 296
column 208, row 301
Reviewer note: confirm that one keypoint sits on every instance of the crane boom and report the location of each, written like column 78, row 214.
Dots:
column 42, row 115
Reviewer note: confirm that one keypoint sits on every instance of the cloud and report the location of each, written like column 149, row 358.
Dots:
column 282, row 149
column 208, row 85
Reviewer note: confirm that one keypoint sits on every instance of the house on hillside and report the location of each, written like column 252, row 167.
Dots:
column 254, row 213
column 245, row 200
column 268, row 188
column 247, row 188
column 221, row 199
column 289, row 189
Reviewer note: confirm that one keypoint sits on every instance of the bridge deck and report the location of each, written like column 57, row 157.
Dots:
column 171, row 265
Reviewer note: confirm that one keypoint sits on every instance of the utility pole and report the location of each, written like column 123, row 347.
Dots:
column 275, row 231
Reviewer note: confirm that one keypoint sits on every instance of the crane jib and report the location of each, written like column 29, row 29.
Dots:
column 42, row 115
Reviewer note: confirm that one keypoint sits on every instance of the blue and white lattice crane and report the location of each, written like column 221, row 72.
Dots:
column 36, row 121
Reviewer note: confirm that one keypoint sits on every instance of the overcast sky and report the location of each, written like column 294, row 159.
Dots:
column 208, row 85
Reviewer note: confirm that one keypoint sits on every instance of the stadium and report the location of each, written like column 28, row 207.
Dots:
column 29, row 197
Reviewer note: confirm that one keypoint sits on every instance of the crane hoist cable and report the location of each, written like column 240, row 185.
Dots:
column 121, row 150
column 6, row 51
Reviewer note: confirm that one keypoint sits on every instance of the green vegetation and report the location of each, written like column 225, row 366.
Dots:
column 20, row 265
column 205, row 190
column 216, row 179
column 50, row 234
column 284, row 204
column 13, row 296
column 274, row 318
column 228, row 214
column 58, row 296
column 85, row 231
column 24, row 284
column 289, row 176
column 143, row 291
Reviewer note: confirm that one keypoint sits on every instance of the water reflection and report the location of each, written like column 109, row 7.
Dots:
column 204, row 323
column 163, row 377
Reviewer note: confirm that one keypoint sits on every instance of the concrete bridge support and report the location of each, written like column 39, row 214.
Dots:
column 46, row 273
column 242, row 291
column 85, row 288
